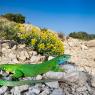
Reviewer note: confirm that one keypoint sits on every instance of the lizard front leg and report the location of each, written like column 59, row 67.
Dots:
column 57, row 69
column 17, row 74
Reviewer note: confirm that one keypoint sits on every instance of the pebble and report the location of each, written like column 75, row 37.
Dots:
column 93, row 81
column 54, row 84
column 34, row 90
column 18, row 89
column 39, row 77
column 57, row 92
column 54, row 75
column 3, row 89
column 50, row 57
column 45, row 92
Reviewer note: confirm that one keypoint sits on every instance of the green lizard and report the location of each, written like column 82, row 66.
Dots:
column 32, row 70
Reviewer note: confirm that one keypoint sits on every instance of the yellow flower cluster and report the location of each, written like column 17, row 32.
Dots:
column 45, row 41
column 41, row 46
column 33, row 41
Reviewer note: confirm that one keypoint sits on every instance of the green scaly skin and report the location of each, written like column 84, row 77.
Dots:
column 32, row 70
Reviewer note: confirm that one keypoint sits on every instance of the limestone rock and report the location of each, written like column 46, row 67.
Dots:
column 58, row 92
column 18, row 89
column 50, row 57
column 22, row 55
column 3, row 89
column 39, row 77
column 93, row 81
column 91, row 43
column 53, row 84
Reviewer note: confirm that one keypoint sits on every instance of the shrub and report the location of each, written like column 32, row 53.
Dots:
column 61, row 36
column 8, row 30
column 43, row 41
column 82, row 35
column 18, row 18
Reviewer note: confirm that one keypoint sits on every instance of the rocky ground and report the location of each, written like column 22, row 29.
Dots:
column 83, row 54
column 78, row 78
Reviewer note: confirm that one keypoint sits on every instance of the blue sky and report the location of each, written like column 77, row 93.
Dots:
column 59, row 15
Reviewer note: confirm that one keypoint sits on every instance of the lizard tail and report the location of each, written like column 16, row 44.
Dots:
column 23, row 82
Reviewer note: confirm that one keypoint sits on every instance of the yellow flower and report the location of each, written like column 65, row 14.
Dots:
column 33, row 41
column 49, row 46
column 43, row 36
column 41, row 46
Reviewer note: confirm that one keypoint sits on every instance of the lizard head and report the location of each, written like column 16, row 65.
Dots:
column 63, row 58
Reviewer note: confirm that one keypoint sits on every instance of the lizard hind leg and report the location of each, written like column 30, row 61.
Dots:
column 17, row 74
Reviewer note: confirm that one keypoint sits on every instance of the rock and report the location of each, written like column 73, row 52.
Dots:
column 83, row 47
column 58, row 92
column 5, row 45
column 69, row 68
column 22, row 55
column 13, row 58
column 14, row 47
column 45, row 92
column 3, row 89
column 39, row 77
column 21, row 46
column 34, row 53
column 54, row 75
column 71, row 77
column 91, row 43
column 50, row 57
column 81, row 89
column 26, row 54
column 54, row 84
column 29, row 93
column 35, row 59
column 34, row 91
column 83, row 77
column 93, row 81
column 76, row 77
column 15, row 61
column 4, row 50
column 18, row 89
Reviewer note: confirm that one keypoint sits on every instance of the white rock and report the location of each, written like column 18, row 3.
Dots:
column 5, row 45
column 54, row 75
column 14, row 47
column 22, row 55
column 21, row 46
column 45, row 92
column 35, row 59
column 91, row 43
column 12, row 55
column 18, row 89
column 34, row 53
column 26, row 54
column 57, row 92
column 50, row 57
column 93, row 81
column 39, row 77
column 83, row 47
column 71, row 77
column 69, row 68
column 34, row 91
column 15, row 60
column 80, row 89
column 82, row 78
column 4, row 50
column 3, row 89
column 54, row 84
